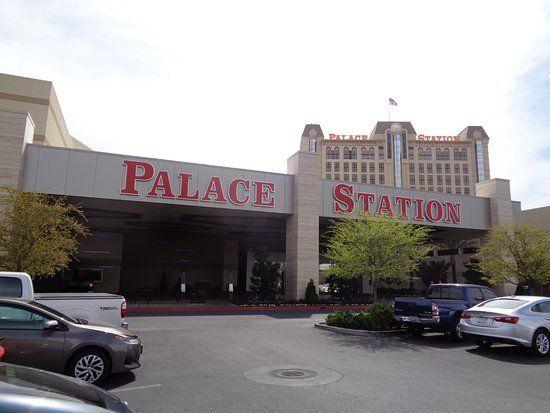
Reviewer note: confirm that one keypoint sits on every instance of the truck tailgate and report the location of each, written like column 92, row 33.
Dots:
column 413, row 306
column 77, row 296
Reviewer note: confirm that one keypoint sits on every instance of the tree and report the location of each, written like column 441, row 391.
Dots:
column 265, row 275
column 38, row 233
column 432, row 271
column 472, row 275
column 311, row 295
column 375, row 248
column 517, row 254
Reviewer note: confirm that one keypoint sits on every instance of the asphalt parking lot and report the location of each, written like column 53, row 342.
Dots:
column 197, row 364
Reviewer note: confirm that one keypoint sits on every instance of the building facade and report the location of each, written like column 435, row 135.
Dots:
column 158, row 223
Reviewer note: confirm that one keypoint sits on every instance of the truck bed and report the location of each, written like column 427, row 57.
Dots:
column 77, row 296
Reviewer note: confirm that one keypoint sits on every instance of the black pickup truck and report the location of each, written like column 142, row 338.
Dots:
column 441, row 308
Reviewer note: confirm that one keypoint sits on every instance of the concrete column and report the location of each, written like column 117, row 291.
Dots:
column 503, row 211
column 230, row 263
column 16, row 129
column 302, row 228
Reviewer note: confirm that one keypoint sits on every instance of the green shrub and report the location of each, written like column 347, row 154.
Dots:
column 311, row 295
column 377, row 317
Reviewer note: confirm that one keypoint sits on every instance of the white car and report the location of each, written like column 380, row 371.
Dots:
column 523, row 320
column 98, row 307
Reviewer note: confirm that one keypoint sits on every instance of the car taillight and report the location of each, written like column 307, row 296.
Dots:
column 465, row 315
column 435, row 309
column 123, row 310
column 507, row 319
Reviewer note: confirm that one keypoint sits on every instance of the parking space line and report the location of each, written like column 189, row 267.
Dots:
column 136, row 388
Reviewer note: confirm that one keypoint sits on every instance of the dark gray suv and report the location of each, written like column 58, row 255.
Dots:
column 38, row 336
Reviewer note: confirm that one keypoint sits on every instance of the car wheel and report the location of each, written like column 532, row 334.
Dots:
column 456, row 333
column 541, row 343
column 484, row 344
column 90, row 365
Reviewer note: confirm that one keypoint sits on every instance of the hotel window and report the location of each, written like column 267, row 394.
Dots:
column 466, row 180
column 354, row 178
column 411, row 152
column 466, row 191
column 430, row 188
column 448, row 180
column 380, row 152
column 364, row 178
column 367, row 153
column 336, row 153
column 388, row 144
column 422, row 188
column 372, row 179
column 442, row 155
column 313, row 145
column 460, row 155
column 363, row 167
column 464, row 168
column 458, row 191
column 412, row 187
column 430, row 180
column 447, row 168
column 457, row 180
column 411, row 168
column 328, row 167
column 381, row 179
column 328, row 153
column 381, row 167
column 421, row 180
column 425, row 154
column 346, row 177
column 438, row 168
column 337, row 177
column 439, row 189
column 448, row 190
column 411, row 180
column 404, row 143
column 480, row 162
column 354, row 167
column 420, row 168
column 372, row 167
column 439, row 180
column 430, row 168
column 347, row 153
column 457, row 169
column 346, row 166
column 328, row 176
column 336, row 166
column 353, row 153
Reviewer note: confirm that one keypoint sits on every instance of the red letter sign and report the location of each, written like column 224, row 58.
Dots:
column 264, row 194
column 132, row 176
column 403, row 202
column 384, row 206
column 438, row 210
column 367, row 199
column 343, row 193
column 452, row 212
column 233, row 187
column 214, row 188
column 162, row 182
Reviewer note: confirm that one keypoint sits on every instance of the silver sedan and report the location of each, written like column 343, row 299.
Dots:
column 523, row 320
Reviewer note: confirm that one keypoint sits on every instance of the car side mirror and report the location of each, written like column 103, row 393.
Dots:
column 50, row 325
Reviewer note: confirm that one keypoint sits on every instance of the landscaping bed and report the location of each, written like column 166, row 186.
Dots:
column 378, row 317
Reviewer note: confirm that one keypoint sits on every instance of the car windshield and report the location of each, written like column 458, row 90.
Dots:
column 56, row 313
column 43, row 381
column 504, row 303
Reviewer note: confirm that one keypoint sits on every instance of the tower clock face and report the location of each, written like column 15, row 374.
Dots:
column 395, row 128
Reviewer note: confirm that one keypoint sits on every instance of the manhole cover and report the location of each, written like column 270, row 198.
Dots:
column 292, row 375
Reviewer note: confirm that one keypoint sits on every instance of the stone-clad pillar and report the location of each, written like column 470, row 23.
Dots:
column 16, row 129
column 302, row 228
column 503, row 211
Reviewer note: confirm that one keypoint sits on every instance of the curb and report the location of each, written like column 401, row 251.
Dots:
column 235, row 308
column 352, row 332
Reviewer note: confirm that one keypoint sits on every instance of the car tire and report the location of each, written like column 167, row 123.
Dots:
column 456, row 334
column 484, row 344
column 91, row 365
column 541, row 343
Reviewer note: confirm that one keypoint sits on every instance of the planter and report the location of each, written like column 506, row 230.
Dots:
column 354, row 332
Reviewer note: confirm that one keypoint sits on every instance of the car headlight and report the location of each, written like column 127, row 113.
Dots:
column 128, row 339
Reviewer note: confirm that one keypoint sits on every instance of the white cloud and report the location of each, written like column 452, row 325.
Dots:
column 233, row 83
